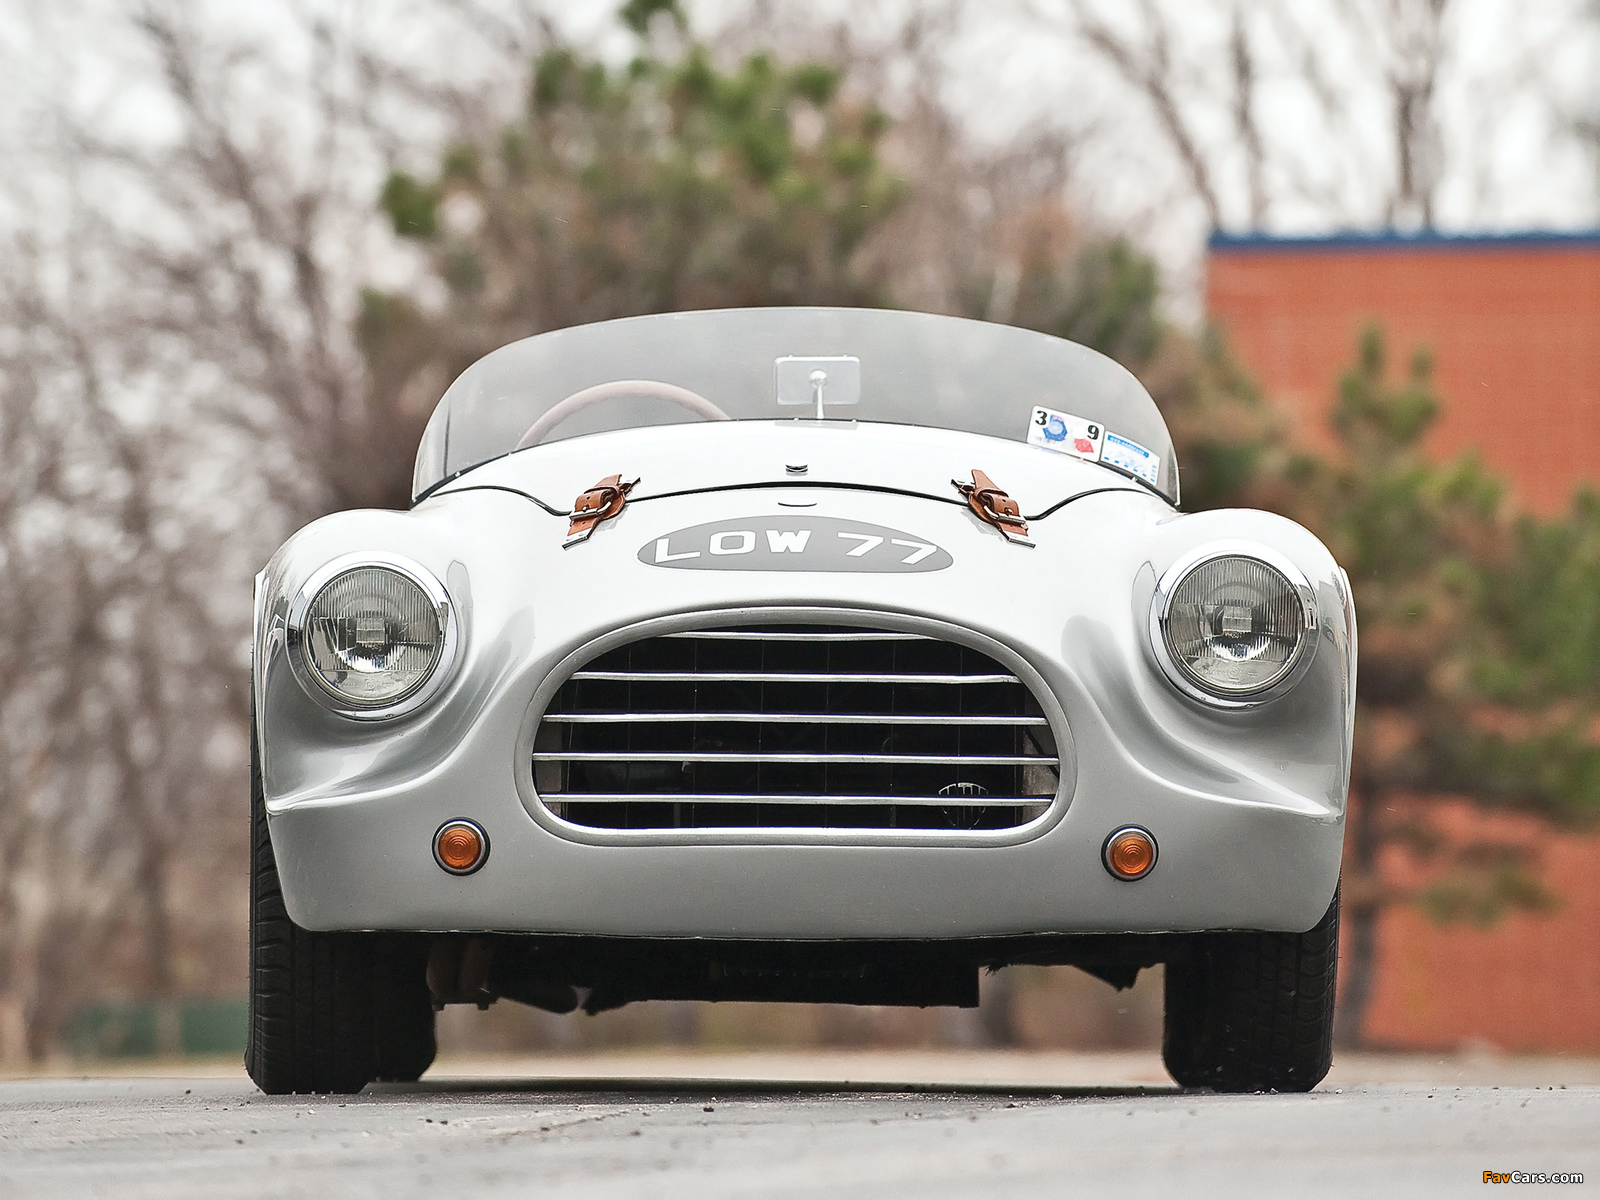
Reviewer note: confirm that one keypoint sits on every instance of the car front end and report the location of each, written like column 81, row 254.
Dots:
column 796, row 717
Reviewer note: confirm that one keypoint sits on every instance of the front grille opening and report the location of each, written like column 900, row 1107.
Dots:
column 795, row 727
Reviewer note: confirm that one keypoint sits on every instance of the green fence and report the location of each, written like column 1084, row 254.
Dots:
column 152, row 1028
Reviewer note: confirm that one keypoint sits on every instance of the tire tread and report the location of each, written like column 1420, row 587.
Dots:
column 1253, row 1012
column 329, row 1012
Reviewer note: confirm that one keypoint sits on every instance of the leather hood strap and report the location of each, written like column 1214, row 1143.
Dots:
column 601, row 502
column 992, row 504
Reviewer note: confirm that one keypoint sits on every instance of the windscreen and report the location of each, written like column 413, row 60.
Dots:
column 915, row 369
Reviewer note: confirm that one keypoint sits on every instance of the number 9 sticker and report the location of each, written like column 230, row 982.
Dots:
column 1066, row 434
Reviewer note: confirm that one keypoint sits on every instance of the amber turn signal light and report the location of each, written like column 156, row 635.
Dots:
column 1130, row 853
column 460, row 847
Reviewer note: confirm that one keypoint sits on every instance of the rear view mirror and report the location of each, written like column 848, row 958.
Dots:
column 817, row 380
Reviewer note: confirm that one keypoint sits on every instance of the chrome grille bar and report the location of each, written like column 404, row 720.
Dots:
column 780, row 798
column 782, row 677
column 855, row 635
column 788, row 718
column 687, row 756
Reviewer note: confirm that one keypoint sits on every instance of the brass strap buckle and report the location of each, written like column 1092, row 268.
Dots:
column 600, row 503
column 993, row 505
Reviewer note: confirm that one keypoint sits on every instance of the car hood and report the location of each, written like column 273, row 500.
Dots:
column 674, row 460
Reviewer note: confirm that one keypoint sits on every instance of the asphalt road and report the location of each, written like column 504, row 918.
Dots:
column 615, row 1138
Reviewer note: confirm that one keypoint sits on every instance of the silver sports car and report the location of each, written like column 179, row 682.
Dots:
column 796, row 654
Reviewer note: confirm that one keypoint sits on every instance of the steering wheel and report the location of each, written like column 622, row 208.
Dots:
column 590, row 396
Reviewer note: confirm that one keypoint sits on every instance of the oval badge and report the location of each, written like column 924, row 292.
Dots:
column 793, row 544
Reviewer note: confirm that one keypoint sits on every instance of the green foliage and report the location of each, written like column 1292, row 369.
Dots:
column 1544, row 602
column 462, row 164
column 413, row 208
column 1105, row 298
column 1224, row 433
column 673, row 182
column 1101, row 292
column 1553, row 772
column 678, row 184
column 1488, row 880
column 637, row 14
column 1371, row 418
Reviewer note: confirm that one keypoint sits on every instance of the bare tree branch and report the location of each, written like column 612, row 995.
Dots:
column 1245, row 122
column 1148, row 67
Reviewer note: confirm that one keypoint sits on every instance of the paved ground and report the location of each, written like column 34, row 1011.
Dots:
column 596, row 1137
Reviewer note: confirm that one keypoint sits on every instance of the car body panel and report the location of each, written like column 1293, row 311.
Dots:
column 1247, row 805
column 680, row 459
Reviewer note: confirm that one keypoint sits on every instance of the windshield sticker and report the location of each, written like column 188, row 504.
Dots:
column 1065, row 434
column 1131, row 457
column 793, row 544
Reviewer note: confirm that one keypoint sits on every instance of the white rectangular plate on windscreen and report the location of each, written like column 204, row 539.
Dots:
column 817, row 379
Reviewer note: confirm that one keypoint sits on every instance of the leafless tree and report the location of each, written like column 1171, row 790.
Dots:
column 1246, row 122
column 1582, row 116
column 1144, row 59
column 118, row 665
column 180, row 385
column 1339, row 112
column 1408, row 36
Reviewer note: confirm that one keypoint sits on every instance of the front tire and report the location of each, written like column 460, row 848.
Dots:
column 329, row 1012
column 1253, row 1012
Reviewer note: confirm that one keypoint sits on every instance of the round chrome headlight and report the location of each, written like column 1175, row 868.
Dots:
column 1233, row 627
column 371, row 636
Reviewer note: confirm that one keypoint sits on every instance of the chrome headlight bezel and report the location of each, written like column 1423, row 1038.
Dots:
column 1160, row 607
column 310, row 680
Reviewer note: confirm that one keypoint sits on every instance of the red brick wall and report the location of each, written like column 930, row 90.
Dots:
column 1514, row 328
column 1528, row 982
